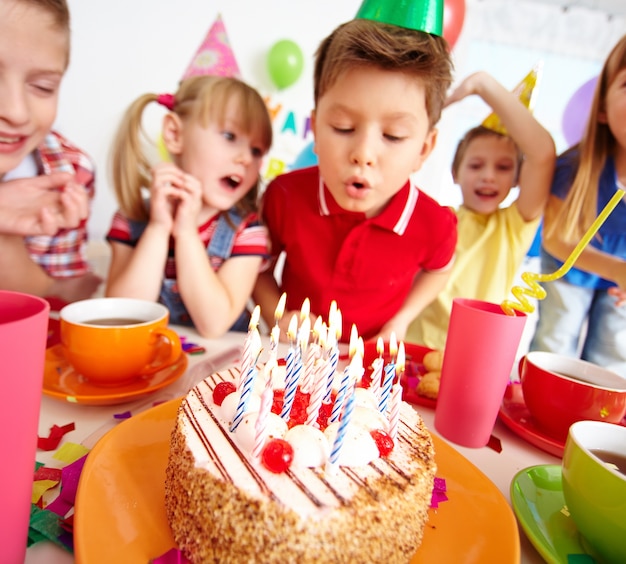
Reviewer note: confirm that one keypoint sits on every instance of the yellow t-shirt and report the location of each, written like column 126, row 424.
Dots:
column 490, row 250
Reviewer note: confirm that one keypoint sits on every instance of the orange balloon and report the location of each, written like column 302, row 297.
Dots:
column 453, row 18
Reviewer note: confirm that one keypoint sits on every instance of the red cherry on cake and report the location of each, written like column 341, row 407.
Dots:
column 222, row 390
column 277, row 456
column 383, row 441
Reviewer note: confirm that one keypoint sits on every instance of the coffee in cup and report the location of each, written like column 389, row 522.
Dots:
column 112, row 341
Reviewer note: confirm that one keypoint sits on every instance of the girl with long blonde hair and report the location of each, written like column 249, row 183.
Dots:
column 589, row 299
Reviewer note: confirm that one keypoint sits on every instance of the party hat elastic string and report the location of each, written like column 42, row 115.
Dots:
column 534, row 290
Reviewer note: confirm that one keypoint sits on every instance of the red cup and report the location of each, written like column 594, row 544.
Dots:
column 559, row 390
column 480, row 351
column 23, row 335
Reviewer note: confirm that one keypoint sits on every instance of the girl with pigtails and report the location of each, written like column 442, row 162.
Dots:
column 187, row 231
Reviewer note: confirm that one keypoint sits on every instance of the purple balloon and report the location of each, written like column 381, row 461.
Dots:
column 577, row 111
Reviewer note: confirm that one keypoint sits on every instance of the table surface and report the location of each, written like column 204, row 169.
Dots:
column 93, row 421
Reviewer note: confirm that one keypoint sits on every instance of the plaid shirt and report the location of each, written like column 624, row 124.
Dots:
column 63, row 254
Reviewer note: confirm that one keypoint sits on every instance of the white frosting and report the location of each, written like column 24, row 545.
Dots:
column 359, row 448
column 364, row 397
column 369, row 418
column 226, row 411
column 245, row 432
column 310, row 446
column 306, row 487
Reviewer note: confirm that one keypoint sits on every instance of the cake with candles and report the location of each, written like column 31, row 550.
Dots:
column 296, row 461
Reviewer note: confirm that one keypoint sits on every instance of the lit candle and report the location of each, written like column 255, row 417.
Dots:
column 251, row 339
column 396, row 394
column 377, row 369
column 246, row 390
column 318, row 384
column 332, row 345
column 390, row 372
column 280, row 309
column 305, row 310
column 260, row 427
column 313, row 353
column 348, row 372
column 341, row 432
column 249, row 357
column 293, row 373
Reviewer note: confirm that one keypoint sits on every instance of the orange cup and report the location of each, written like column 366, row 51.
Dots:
column 112, row 341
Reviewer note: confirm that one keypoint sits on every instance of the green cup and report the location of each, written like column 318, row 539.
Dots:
column 594, row 491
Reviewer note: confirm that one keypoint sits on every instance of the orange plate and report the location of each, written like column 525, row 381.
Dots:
column 120, row 513
column 61, row 382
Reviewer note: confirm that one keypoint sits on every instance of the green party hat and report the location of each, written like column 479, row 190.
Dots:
column 420, row 15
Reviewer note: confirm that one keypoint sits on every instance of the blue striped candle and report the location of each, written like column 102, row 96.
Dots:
column 246, row 392
column 390, row 373
column 291, row 382
column 342, row 430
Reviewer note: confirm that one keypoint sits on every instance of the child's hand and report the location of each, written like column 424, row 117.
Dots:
column 189, row 206
column 469, row 85
column 165, row 194
column 75, row 288
column 41, row 205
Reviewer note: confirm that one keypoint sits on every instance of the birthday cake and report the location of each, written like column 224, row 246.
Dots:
column 309, row 487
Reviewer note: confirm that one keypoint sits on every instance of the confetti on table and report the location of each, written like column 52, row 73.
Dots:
column 494, row 443
column 46, row 473
column 439, row 493
column 123, row 415
column 69, row 484
column 40, row 487
column 70, row 452
column 189, row 347
column 45, row 525
column 54, row 437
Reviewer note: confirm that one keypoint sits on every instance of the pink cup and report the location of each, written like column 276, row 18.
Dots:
column 23, row 336
column 480, row 351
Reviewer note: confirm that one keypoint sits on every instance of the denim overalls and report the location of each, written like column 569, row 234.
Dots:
column 220, row 245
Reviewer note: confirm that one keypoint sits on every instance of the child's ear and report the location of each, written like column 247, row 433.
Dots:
column 173, row 134
column 427, row 148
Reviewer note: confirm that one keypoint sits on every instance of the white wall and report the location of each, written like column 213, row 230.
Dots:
column 121, row 49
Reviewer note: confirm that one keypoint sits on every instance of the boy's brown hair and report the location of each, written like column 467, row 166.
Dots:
column 476, row 133
column 366, row 43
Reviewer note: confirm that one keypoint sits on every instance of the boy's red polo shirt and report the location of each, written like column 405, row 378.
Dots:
column 366, row 264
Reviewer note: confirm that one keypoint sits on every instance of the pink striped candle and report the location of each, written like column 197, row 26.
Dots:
column 377, row 369
column 251, row 340
column 317, row 395
column 396, row 395
column 260, row 427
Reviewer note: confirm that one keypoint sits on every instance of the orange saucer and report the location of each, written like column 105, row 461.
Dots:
column 120, row 504
column 62, row 382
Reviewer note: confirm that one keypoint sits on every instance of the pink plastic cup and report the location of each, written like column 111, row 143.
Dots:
column 480, row 351
column 23, row 336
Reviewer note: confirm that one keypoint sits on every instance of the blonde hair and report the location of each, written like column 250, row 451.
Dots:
column 60, row 13
column 580, row 207
column 365, row 43
column 200, row 98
